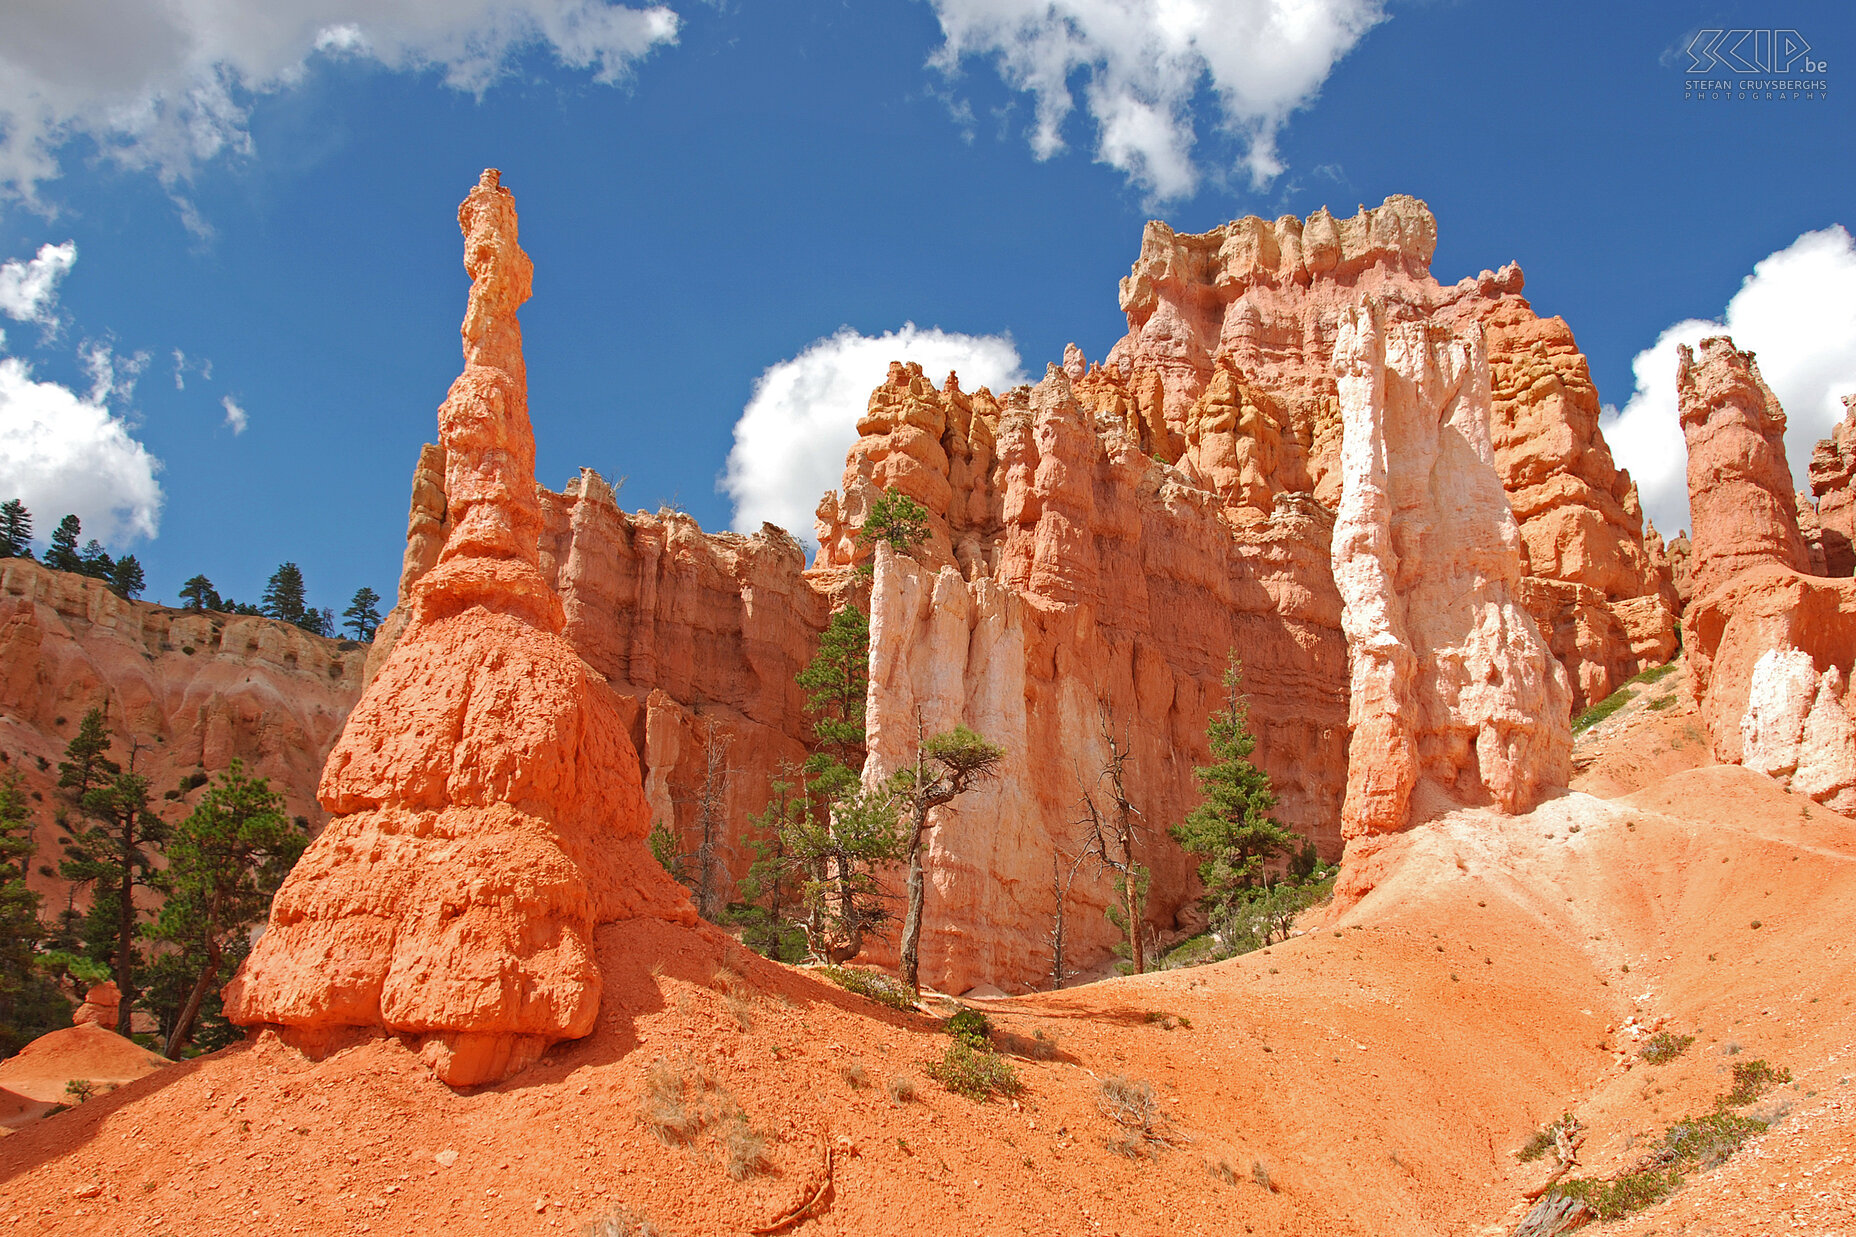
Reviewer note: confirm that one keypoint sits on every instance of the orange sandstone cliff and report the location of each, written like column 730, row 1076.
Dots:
column 486, row 801
column 196, row 690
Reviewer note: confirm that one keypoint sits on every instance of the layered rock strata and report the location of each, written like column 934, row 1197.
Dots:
column 1089, row 585
column 1771, row 644
column 1451, row 682
column 193, row 690
column 487, row 806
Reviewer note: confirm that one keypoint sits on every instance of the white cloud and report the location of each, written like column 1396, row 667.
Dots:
column 1797, row 312
column 29, row 289
column 61, row 453
column 792, row 437
column 112, row 377
column 1142, row 61
column 168, row 86
column 235, row 416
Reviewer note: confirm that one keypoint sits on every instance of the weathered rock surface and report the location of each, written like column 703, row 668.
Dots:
column 1682, row 569
column 197, row 689
column 1077, row 576
column 102, row 1002
column 488, row 810
column 1771, row 643
column 1452, row 683
column 1833, row 482
column 1254, row 304
column 1740, row 489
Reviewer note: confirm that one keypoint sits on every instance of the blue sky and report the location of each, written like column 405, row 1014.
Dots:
column 753, row 196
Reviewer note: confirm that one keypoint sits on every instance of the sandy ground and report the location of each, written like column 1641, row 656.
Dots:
column 1372, row 1076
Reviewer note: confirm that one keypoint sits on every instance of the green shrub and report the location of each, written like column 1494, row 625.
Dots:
column 1708, row 1140
column 871, row 985
column 1631, row 1192
column 1664, row 1047
column 1752, row 1079
column 975, row 1074
column 1600, row 711
column 971, row 1028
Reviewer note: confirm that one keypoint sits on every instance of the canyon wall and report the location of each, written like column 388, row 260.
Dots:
column 196, row 690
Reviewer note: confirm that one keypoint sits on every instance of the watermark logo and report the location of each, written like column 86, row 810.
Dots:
column 1765, row 65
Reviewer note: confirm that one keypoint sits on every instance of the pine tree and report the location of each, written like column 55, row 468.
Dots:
column 363, row 614
column 29, row 1001
column 126, row 578
column 115, row 853
column 96, row 562
column 63, row 555
column 836, row 681
column 894, row 518
column 318, row 622
column 1232, row 832
column 225, row 863
column 15, row 530
column 770, row 892
column 86, row 764
column 283, row 596
column 946, row 767
column 198, row 594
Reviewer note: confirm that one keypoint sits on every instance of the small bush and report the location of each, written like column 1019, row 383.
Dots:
column 1040, row 1045
column 741, row 1011
column 1664, row 1047
column 854, row 1075
column 675, row 1107
column 1662, row 702
column 1655, row 674
column 1134, row 1108
column 971, row 1028
column 1544, row 1138
column 744, row 1148
column 1708, row 1140
column 1260, row 1173
column 901, row 1088
column 871, row 985
column 621, row 1222
column 976, row 1075
column 1221, row 1171
column 1752, row 1079
column 79, row 1089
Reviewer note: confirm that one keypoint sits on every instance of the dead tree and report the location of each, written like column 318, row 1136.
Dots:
column 1113, row 826
column 1061, row 879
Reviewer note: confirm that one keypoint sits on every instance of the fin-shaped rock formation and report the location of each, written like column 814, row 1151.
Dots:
column 1771, row 643
column 1452, row 684
column 487, row 805
column 1833, row 484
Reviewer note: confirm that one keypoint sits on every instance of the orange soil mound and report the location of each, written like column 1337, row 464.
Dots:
column 1379, row 1071
column 17, row 1110
column 41, row 1069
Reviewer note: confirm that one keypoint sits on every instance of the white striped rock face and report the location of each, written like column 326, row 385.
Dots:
column 1452, row 685
column 1797, row 728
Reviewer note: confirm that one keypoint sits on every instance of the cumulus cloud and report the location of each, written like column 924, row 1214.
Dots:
column 168, row 86
column 62, row 453
column 235, row 416
column 1141, row 62
column 792, row 437
column 1797, row 311
column 29, row 289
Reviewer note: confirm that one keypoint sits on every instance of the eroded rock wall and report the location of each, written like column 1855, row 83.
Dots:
column 1452, row 683
column 195, row 689
column 1833, row 483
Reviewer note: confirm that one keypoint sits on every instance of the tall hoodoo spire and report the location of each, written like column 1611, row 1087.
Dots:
column 488, row 811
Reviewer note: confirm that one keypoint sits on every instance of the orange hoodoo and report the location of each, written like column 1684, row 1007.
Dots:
column 486, row 801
